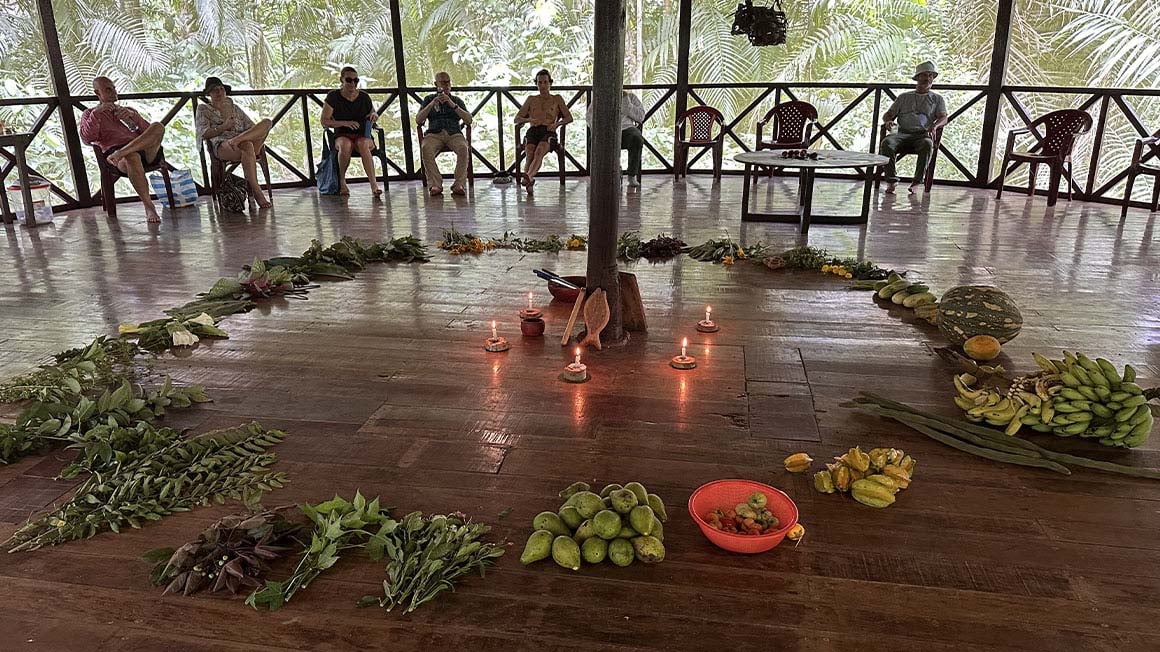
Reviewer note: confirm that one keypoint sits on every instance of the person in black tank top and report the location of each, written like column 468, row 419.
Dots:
column 350, row 112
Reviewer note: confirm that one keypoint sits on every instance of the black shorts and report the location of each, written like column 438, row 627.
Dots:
column 539, row 134
column 144, row 161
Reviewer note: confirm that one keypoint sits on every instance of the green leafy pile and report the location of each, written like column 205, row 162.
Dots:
column 815, row 258
column 723, row 251
column 630, row 247
column 147, row 486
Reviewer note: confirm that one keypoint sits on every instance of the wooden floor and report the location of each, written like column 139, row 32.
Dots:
column 383, row 386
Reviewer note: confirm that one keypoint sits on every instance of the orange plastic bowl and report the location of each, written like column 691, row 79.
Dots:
column 564, row 294
column 724, row 494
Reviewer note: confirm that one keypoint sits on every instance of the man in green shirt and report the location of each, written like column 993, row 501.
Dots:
column 919, row 113
column 445, row 115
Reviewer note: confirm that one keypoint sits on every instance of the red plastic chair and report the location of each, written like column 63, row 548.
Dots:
column 1054, row 149
column 695, row 129
column 1138, row 167
column 793, row 124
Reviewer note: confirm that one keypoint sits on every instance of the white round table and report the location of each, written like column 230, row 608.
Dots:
column 827, row 159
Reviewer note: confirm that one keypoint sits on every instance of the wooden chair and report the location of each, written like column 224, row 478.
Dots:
column 559, row 148
column 218, row 169
column 1138, row 167
column 470, row 156
column 928, row 174
column 1054, row 149
column 378, row 149
column 695, row 129
column 110, row 173
column 793, row 124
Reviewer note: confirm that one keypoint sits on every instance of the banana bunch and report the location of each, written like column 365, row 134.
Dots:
column 1096, row 401
column 904, row 293
column 1028, row 396
column 1069, row 397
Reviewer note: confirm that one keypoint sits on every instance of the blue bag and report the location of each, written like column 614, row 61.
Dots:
column 326, row 176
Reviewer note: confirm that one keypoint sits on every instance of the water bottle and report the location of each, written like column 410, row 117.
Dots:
column 367, row 126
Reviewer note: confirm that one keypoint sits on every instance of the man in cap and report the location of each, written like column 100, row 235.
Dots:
column 918, row 113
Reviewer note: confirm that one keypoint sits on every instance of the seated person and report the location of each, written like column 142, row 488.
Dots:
column 347, row 111
column 125, row 139
column 919, row 113
column 445, row 115
column 233, row 136
column 545, row 113
column 631, row 117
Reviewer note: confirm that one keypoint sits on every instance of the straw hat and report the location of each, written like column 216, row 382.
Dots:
column 925, row 66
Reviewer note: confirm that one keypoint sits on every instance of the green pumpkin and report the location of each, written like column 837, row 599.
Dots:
column 970, row 310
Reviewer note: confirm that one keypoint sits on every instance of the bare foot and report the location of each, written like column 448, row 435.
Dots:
column 152, row 217
column 531, row 182
column 376, row 191
column 343, row 190
column 915, row 187
column 458, row 190
column 435, row 192
column 115, row 158
column 890, row 188
column 263, row 202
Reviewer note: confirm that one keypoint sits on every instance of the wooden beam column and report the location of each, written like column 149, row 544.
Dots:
column 604, row 190
column 995, row 82
column 68, row 119
column 404, row 92
column 684, row 28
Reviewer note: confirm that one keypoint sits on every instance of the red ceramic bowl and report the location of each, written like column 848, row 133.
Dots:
column 564, row 294
column 724, row 494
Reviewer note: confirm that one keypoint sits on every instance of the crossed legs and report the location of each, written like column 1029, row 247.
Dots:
column 535, row 155
column 147, row 144
column 244, row 149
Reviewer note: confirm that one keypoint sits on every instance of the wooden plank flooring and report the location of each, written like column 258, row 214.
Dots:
column 382, row 386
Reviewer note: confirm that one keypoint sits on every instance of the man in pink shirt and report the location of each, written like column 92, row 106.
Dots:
column 128, row 142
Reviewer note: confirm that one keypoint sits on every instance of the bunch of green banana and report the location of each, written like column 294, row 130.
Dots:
column 902, row 292
column 1095, row 401
column 1032, row 396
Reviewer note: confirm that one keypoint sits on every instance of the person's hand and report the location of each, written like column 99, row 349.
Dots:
column 122, row 112
column 352, row 124
column 373, row 117
column 104, row 108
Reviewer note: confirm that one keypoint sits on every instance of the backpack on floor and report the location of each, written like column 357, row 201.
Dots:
column 233, row 194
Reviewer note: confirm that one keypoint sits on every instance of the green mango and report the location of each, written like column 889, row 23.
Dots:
column 573, row 489
column 608, row 489
column 658, row 530
column 551, row 522
column 594, row 550
column 638, row 489
column 571, row 517
column 621, row 552
column 607, row 524
column 658, row 507
column 584, row 532
column 648, row 549
column 566, row 552
column 641, row 518
column 626, row 532
column 623, row 501
column 587, row 503
column 538, row 547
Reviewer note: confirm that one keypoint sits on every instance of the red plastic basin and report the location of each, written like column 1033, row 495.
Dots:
column 724, row 495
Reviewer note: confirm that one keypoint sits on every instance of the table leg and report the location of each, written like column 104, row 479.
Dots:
column 745, row 194
column 25, row 191
column 6, row 216
column 807, row 198
column 866, row 195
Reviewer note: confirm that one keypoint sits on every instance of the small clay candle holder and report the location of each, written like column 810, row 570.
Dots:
column 575, row 371
column 495, row 343
column 707, row 325
column 532, row 327
column 531, row 313
column 683, row 361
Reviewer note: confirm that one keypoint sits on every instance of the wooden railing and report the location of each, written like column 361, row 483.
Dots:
column 852, row 123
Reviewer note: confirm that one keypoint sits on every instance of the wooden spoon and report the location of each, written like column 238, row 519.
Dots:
column 596, row 316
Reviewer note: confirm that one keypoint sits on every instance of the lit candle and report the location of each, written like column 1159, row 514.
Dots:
column 577, row 360
column 684, row 345
column 494, row 336
column 708, row 310
column 529, row 301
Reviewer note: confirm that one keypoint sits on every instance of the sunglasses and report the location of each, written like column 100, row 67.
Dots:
column 350, row 80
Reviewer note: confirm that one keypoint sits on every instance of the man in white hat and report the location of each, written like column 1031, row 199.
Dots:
column 919, row 113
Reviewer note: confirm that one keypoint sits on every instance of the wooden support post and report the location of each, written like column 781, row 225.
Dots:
column 995, row 81
column 404, row 91
column 604, row 192
column 684, row 27
column 68, row 120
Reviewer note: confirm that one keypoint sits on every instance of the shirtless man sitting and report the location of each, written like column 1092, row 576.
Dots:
column 127, row 141
column 545, row 113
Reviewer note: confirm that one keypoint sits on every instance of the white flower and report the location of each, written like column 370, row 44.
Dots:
column 204, row 319
column 182, row 337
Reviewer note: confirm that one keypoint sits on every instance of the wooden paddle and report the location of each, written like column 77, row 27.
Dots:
column 579, row 303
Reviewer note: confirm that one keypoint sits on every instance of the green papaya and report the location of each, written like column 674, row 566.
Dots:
column 566, row 552
column 538, row 547
column 638, row 489
column 594, row 550
column 551, row 522
column 641, row 518
column 621, row 552
column 606, row 524
column 573, row 489
column 658, row 507
column 648, row 549
column 571, row 517
column 623, row 501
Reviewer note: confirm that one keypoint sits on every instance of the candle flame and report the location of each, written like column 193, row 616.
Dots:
column 684, row 342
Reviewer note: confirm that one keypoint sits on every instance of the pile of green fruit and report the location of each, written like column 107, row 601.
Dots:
column 620, row 524
column 902, row 292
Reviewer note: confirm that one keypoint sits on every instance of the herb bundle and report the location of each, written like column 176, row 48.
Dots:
column 185, row 473
column 723, row 251
column 232, row 554
column 814, row 258
column 630, row 247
